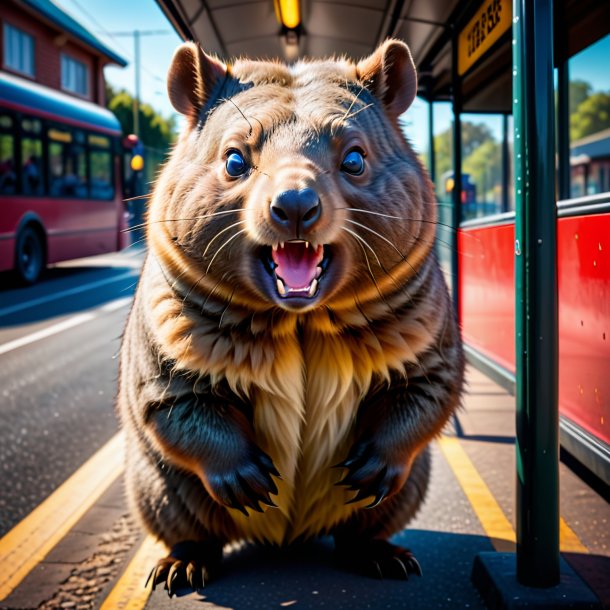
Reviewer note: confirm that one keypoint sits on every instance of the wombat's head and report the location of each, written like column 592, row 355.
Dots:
column 292, row 186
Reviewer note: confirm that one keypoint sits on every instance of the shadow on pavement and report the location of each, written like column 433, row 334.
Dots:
column 29, row 304
column 306, row 577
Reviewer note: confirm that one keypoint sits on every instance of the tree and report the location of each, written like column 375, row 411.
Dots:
column 474, row 135
column 591, row 116
column 579, row 91
column 155, row 130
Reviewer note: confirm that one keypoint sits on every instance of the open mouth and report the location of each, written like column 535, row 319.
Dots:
column 297, row 267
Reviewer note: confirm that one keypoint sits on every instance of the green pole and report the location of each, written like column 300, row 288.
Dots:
column 536, row 295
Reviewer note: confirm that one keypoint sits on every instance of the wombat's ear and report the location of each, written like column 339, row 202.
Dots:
column 193, row 79
column 389, row 73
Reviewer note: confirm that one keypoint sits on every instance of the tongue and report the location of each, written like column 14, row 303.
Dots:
column 296, row 264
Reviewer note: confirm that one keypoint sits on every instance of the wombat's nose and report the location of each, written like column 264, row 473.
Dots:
column 296, row 211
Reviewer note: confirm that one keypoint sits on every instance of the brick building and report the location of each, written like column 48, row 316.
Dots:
column 40, row 42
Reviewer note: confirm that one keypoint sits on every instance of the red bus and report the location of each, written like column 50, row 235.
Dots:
column 60, row 178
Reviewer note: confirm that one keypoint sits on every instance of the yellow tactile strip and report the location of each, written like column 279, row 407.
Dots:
column 27, row 544
column 488, row 511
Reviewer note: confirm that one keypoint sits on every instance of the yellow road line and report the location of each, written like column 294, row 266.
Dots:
column 485, row 506
column 29, row 541
column 129, row 592
column 487, row 509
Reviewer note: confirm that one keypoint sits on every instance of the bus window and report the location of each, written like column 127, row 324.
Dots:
column 100, row 160
column 32, row 177
column 67, row 163
column 8, row 177
column 589, row 102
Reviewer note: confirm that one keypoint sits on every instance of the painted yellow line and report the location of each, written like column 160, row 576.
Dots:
column 569, row 541
column 129, row 592
column 485, row 506
column 30, row 541
column 487, row 509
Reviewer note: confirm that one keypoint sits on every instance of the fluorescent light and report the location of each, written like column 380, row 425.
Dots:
column 288, row 12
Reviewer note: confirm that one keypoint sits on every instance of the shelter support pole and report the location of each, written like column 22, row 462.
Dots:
column 456, row 208
column 536, row 296
column 537, row 577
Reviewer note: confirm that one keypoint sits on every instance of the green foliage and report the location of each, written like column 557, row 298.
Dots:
column 476, row 137
column 591, row 116
column 155, row 131
column 579, row 91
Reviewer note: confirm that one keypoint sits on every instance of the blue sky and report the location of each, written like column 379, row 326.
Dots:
column 104, row 18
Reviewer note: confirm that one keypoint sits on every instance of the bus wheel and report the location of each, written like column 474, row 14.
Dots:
column 29, row 255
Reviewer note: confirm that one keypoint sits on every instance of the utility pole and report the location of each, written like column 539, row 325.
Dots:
column 136, row 99
column 137, row 34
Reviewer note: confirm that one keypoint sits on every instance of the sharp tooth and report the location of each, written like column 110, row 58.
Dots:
column 280, row 287
column 318, row 271
column 306, row 245
column 312, row 288
column 282, row 245
column 274, row 247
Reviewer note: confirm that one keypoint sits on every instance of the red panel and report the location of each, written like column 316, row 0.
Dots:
column 487, row 297
column 74, row 227
column 583, row 244
column 486, row 286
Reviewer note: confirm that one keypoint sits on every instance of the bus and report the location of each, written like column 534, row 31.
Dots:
column 60, row 179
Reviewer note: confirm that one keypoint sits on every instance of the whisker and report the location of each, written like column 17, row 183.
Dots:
column 368, row 264
column 358, row 111
column 223, row 245
column 353, row 102
column 235, row 224
column 228, row 99
column 219, row 213
column 432, row 222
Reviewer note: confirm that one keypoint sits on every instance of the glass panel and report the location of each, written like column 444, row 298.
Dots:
column 99, row 141
column 6, row 121
column 101, row 174
column 442, row 120
column 482, row 136
column 8, row 178
column 414, row 124
column 31, row 167
column 589, row 101
column 67, row 165
column 31, row 125
column 511, row 163
column 443, row 149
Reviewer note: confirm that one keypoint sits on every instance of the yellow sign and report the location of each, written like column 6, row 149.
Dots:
column 483, row 30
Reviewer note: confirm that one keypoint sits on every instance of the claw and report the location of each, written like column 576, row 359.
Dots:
column 149, row 577
column 378, row 567
column 377, row 501
column 363, row 493
column 172, row 577
column 402, row 566
column 414, row 564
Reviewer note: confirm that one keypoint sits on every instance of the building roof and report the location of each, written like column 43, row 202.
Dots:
column 64, row 22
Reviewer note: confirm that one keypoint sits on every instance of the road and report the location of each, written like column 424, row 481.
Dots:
column 58, row 366
column 67, row 540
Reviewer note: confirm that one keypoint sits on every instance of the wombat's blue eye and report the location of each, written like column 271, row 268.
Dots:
column 353, row 163
column 235, row 164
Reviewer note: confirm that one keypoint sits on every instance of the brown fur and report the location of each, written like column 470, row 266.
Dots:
column 373, row 361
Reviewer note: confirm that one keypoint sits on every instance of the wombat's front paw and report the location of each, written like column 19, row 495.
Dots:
column 243, row 481
column 372, row 473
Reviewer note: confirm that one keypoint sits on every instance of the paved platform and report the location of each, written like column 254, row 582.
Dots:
column 103, row 560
